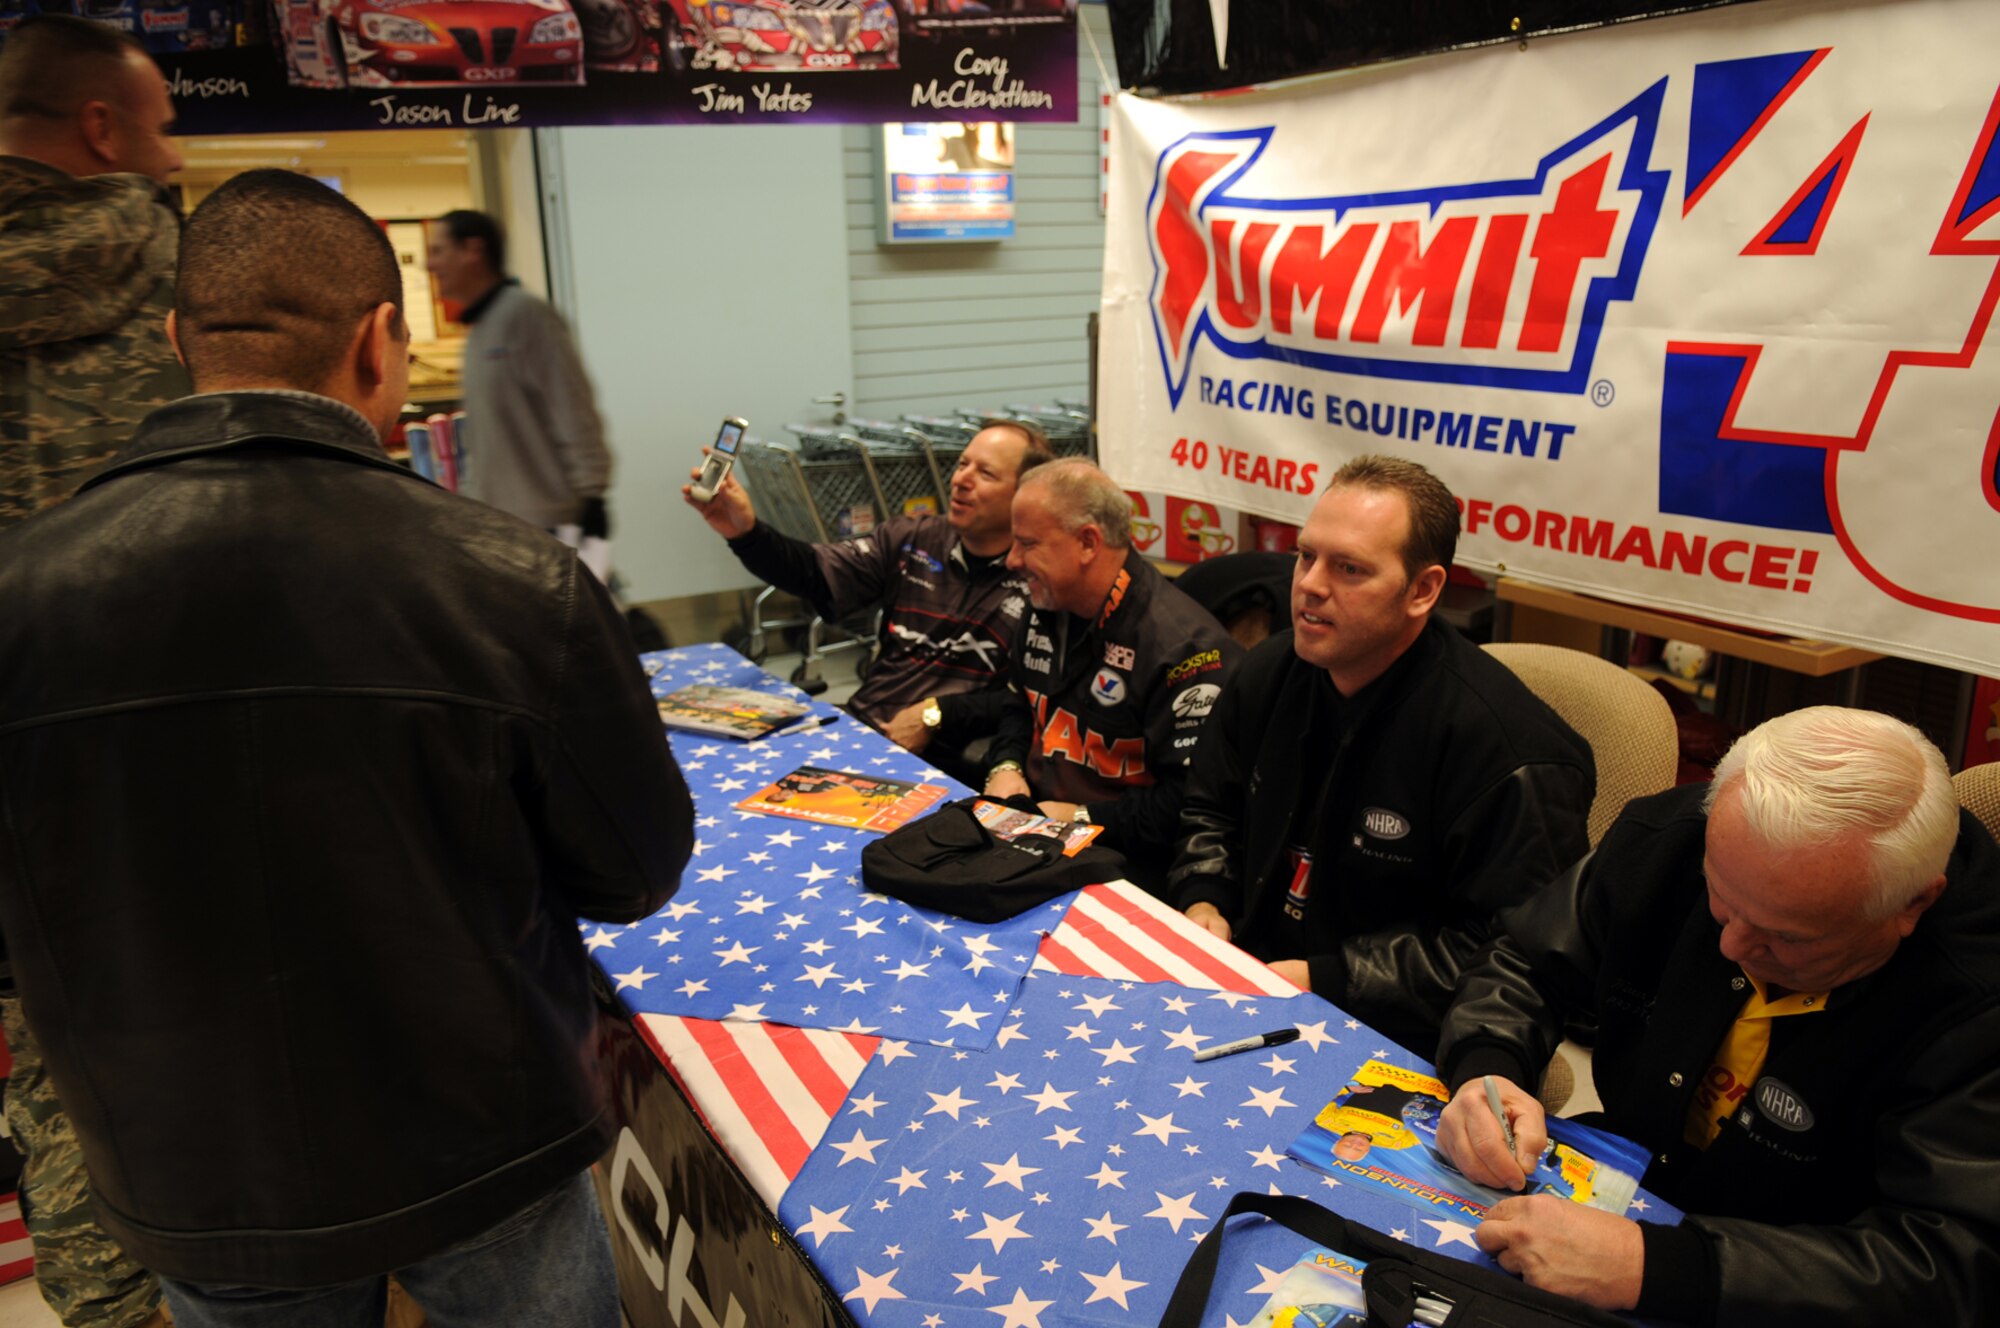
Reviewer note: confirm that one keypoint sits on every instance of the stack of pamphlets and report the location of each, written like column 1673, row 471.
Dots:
column 842, row 797
column 732, row 712
column 1011, row 823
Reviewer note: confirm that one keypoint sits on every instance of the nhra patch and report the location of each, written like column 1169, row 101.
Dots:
column 1108, row 687
column 1782, row 1106
column 1384, row 824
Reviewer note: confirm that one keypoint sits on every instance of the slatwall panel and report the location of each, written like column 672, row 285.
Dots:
column 941, row 326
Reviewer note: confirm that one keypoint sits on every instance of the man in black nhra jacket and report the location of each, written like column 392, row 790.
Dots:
column 1796, row 976
column 952, row 606
column 1112, row 676
column 1372, row 788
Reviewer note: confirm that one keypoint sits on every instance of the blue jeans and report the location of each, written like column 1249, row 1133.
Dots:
column 548, row 1264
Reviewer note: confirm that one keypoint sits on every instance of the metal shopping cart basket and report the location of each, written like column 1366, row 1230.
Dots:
column 948, row 436
column 908, row 474
column 1068, row 428
column 906, row 465
column 1068, row 432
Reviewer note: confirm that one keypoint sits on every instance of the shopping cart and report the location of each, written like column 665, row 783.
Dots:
column 1068, row 428
column 948, row 436
column 905, row 465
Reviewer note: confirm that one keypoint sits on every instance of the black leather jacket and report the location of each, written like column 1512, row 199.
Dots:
column 1486, row 794
column 1860, row 1181
column 307, row 768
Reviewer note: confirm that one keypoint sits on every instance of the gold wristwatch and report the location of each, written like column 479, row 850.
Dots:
column 932, row 716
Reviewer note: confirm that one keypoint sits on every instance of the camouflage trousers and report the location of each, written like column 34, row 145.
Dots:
column 83, row 1273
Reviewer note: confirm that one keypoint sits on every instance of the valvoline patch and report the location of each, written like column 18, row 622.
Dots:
column 1412, row 284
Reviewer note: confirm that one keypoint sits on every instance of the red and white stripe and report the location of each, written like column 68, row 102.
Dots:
column 17, row 1252
column 767, row 1091
column 1119, row 931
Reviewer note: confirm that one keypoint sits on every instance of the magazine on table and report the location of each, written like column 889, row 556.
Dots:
column 843, row 797
column 732, row 712
column 1320, row 1290
column 1381, row 1132
column 1011, row 823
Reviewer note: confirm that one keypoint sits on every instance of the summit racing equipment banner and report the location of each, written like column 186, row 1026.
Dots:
column 262, row 66
column 1693, row 313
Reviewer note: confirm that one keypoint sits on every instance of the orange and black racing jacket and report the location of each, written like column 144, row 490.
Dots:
column 1108, row 710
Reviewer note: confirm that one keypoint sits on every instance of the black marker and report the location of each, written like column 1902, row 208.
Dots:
column 1277, row 1039
column 803, row 726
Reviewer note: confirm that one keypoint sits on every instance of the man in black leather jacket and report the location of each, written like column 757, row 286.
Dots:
column 1372, row 788
column 306, row 770
column 1795, row 972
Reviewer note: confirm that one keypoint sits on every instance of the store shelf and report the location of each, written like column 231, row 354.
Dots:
column 1815, row 659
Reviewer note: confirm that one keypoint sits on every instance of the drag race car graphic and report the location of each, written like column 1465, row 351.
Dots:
column 783, row 34
column 428, row 43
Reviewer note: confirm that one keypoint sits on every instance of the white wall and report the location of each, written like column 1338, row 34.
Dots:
column 981, row 325
column 717, row 271
column 706, row 276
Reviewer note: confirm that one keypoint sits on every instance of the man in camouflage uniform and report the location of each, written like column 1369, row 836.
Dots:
column 88, row 240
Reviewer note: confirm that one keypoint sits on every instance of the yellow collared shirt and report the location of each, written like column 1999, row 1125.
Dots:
column 1740, row 1059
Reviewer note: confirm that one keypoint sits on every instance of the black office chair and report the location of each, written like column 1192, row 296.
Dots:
column 1250, row 591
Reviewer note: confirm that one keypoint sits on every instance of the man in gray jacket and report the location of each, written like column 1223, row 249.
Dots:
column 535, row 443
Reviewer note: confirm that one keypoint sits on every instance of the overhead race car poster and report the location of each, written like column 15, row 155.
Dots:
column 1693, row 313
column 260, row 66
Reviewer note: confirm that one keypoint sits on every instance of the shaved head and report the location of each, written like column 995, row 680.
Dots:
column 277, row 272
column 53, row 64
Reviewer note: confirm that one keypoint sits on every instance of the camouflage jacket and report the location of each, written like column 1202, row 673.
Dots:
column 86, row 280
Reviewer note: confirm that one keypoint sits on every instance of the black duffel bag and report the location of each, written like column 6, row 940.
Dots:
column 1395, row 1275
column 950, row 862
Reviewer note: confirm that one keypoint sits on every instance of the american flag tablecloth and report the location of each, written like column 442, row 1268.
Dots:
column 768, row 1092
column 771, row 922
column 1045, row 1153
column 1063, row 1175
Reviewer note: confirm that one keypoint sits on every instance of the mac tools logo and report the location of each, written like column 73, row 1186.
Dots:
column 1502, row 283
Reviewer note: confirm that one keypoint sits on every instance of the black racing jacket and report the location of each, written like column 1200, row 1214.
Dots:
column 947, row 625
column 1106, row 712
column 1859, row 1181
column 307, row 769
column 1453, row 792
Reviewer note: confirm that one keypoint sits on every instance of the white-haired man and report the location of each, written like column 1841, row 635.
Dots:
column 1796, row 976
